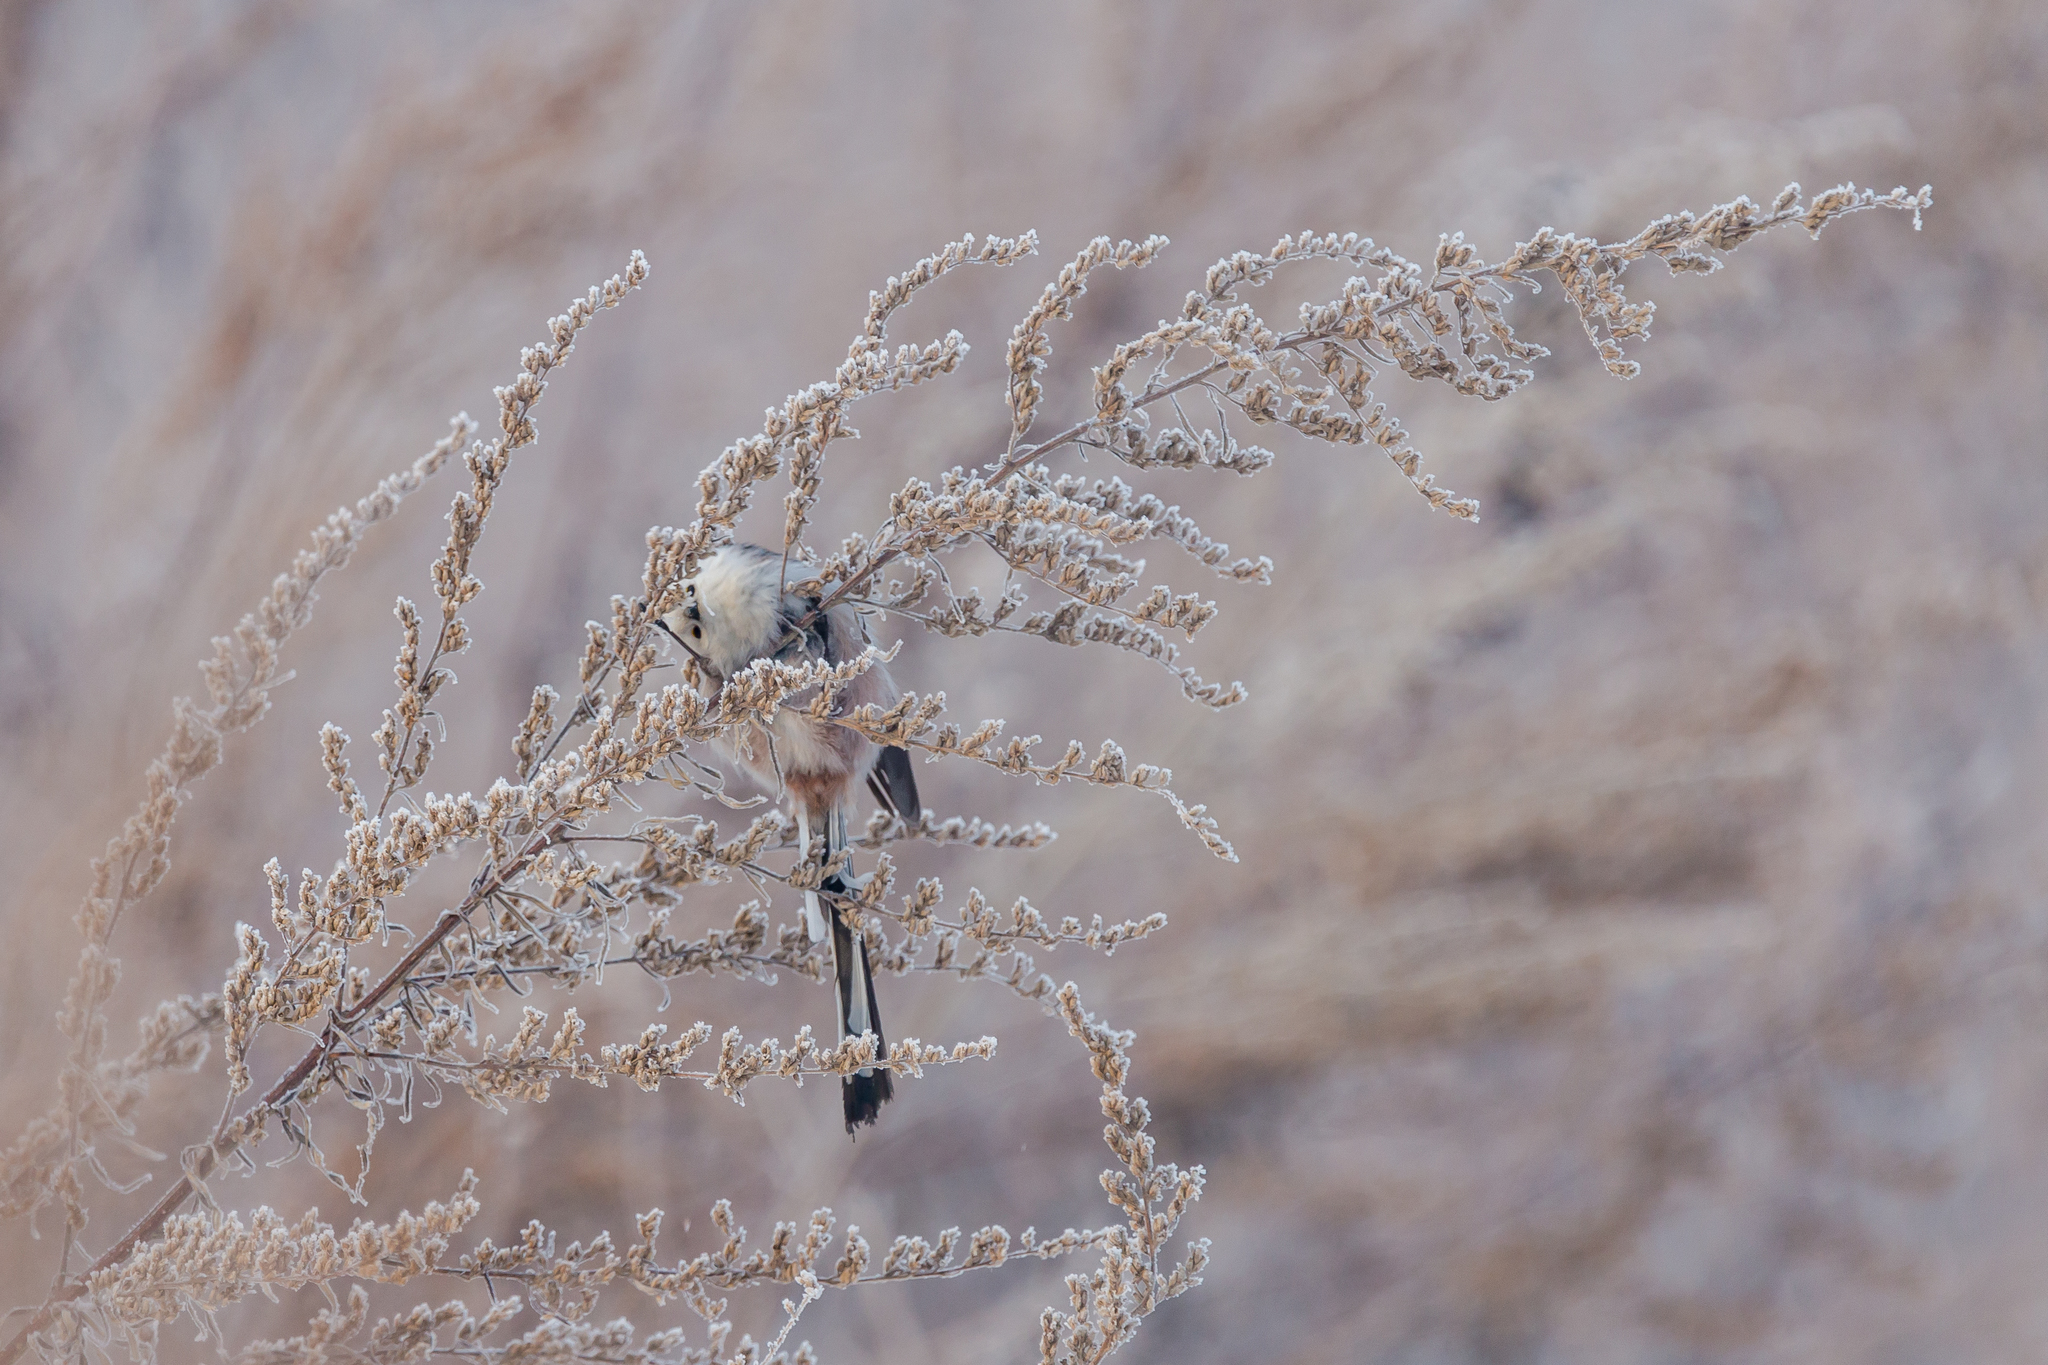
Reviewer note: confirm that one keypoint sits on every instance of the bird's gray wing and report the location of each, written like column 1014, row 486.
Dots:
column 894, row 783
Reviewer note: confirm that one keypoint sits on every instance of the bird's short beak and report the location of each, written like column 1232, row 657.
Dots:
column 668, row 631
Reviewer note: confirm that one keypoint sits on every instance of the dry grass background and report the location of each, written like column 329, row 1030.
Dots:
column 1637, row 949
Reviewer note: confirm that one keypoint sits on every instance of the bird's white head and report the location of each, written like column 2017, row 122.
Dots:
column 733, row 611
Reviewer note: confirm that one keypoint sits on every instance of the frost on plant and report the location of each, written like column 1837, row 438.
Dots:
column 572, row 875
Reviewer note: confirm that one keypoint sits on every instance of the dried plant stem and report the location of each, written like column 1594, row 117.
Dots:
column 226, row 1141
column 1588, row 271
column 239, row 677
column 1004, row 470
column 540, row 910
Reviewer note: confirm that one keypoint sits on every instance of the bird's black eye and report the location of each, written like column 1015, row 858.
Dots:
column 696, row 632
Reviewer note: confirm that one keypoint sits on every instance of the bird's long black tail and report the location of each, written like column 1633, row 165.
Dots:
column 863, row 1093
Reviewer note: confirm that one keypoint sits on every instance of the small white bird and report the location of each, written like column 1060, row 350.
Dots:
column 736, row 610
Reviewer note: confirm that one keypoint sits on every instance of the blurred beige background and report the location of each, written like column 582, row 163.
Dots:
column 1636, row 954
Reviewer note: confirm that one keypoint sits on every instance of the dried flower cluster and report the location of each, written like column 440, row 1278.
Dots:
column 96, row 1093
column 543, row 909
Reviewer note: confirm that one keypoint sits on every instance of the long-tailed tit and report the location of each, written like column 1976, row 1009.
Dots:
column 736, row 610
